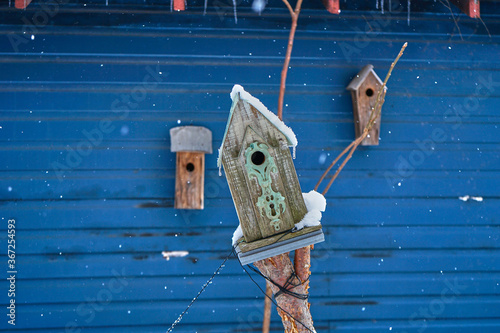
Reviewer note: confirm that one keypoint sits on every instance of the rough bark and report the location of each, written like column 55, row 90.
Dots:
column 279, row 269
column 302, row 263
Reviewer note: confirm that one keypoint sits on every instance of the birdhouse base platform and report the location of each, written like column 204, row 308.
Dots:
column 278, row 244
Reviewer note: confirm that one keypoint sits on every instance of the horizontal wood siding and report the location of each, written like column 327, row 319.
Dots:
column 86, row 168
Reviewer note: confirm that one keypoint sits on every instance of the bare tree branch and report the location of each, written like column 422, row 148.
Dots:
column 289, row 8
column 295, row 16
column 377, row 109
column 266, row 322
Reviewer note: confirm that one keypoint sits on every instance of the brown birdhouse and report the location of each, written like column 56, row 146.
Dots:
column 364, row 90
column 190, row 143
column 265, row 188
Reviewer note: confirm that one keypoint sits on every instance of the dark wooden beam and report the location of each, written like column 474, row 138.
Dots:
column 332, row 6
column 469, row 7
column 22, row 4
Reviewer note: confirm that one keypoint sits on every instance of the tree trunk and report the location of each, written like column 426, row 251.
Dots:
column 280, row 269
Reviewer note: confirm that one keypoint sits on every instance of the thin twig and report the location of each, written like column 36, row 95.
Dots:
column 452, row 16
column 331, row 165
column 292, row 14
column 284, row 71
column 487, row 30
column 377, row 109
column 266, row 322
column 357, row 142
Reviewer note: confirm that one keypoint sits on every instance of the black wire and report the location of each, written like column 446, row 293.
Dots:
column 272, row 300
column 282, row 289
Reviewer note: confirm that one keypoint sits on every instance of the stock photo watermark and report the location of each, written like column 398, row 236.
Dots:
column 121, row 108
column 373, row 27
column 39, row 20
column 11, row 271
column 406, row 166
column 88, row 310
column 425, row 314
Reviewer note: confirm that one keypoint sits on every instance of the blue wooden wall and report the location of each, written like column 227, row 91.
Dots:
column 87, row 100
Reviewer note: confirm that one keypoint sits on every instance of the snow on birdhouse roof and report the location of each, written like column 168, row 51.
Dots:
column 361, row 76
column 238, row 93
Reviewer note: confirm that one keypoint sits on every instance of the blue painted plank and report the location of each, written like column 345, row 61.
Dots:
column 433, row 324
column 238, row 44
column 79, row 72
column 70, row 246
column 204, row 263
column 332, row 104
column 168, row 288
column 117, row 214
column 253, row 323
column 156, row 313
column 148, row 130
column 137, row 241
column 157, row 185
column 157, row 155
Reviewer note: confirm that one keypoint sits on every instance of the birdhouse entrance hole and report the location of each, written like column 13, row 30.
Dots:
column 258, row 158
column 190, row 167
column 369, row 92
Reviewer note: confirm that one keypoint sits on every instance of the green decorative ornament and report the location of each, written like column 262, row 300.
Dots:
column 260, row 164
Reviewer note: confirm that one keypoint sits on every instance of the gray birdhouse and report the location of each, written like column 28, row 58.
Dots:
column 265, row 188
column 190, row 143
column 364, row 90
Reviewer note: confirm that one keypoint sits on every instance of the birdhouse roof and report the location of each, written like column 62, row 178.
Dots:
column 238, row 93
column 191, row 138
column 361, row 76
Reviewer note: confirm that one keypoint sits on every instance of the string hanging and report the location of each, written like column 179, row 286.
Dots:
column 209, row 281
column 283, row 289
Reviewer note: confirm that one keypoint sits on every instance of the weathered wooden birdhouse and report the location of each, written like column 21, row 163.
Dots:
column 364, row 90
column 190, row 143
column 265, row 188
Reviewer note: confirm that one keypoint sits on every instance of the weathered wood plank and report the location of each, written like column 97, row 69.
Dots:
column 245, row 247
column 246, row 126
column 189, row 180
column 365, row 88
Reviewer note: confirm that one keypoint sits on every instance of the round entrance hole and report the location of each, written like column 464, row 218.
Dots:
column 369, row 92
column 258, row 158
column 190, row 167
